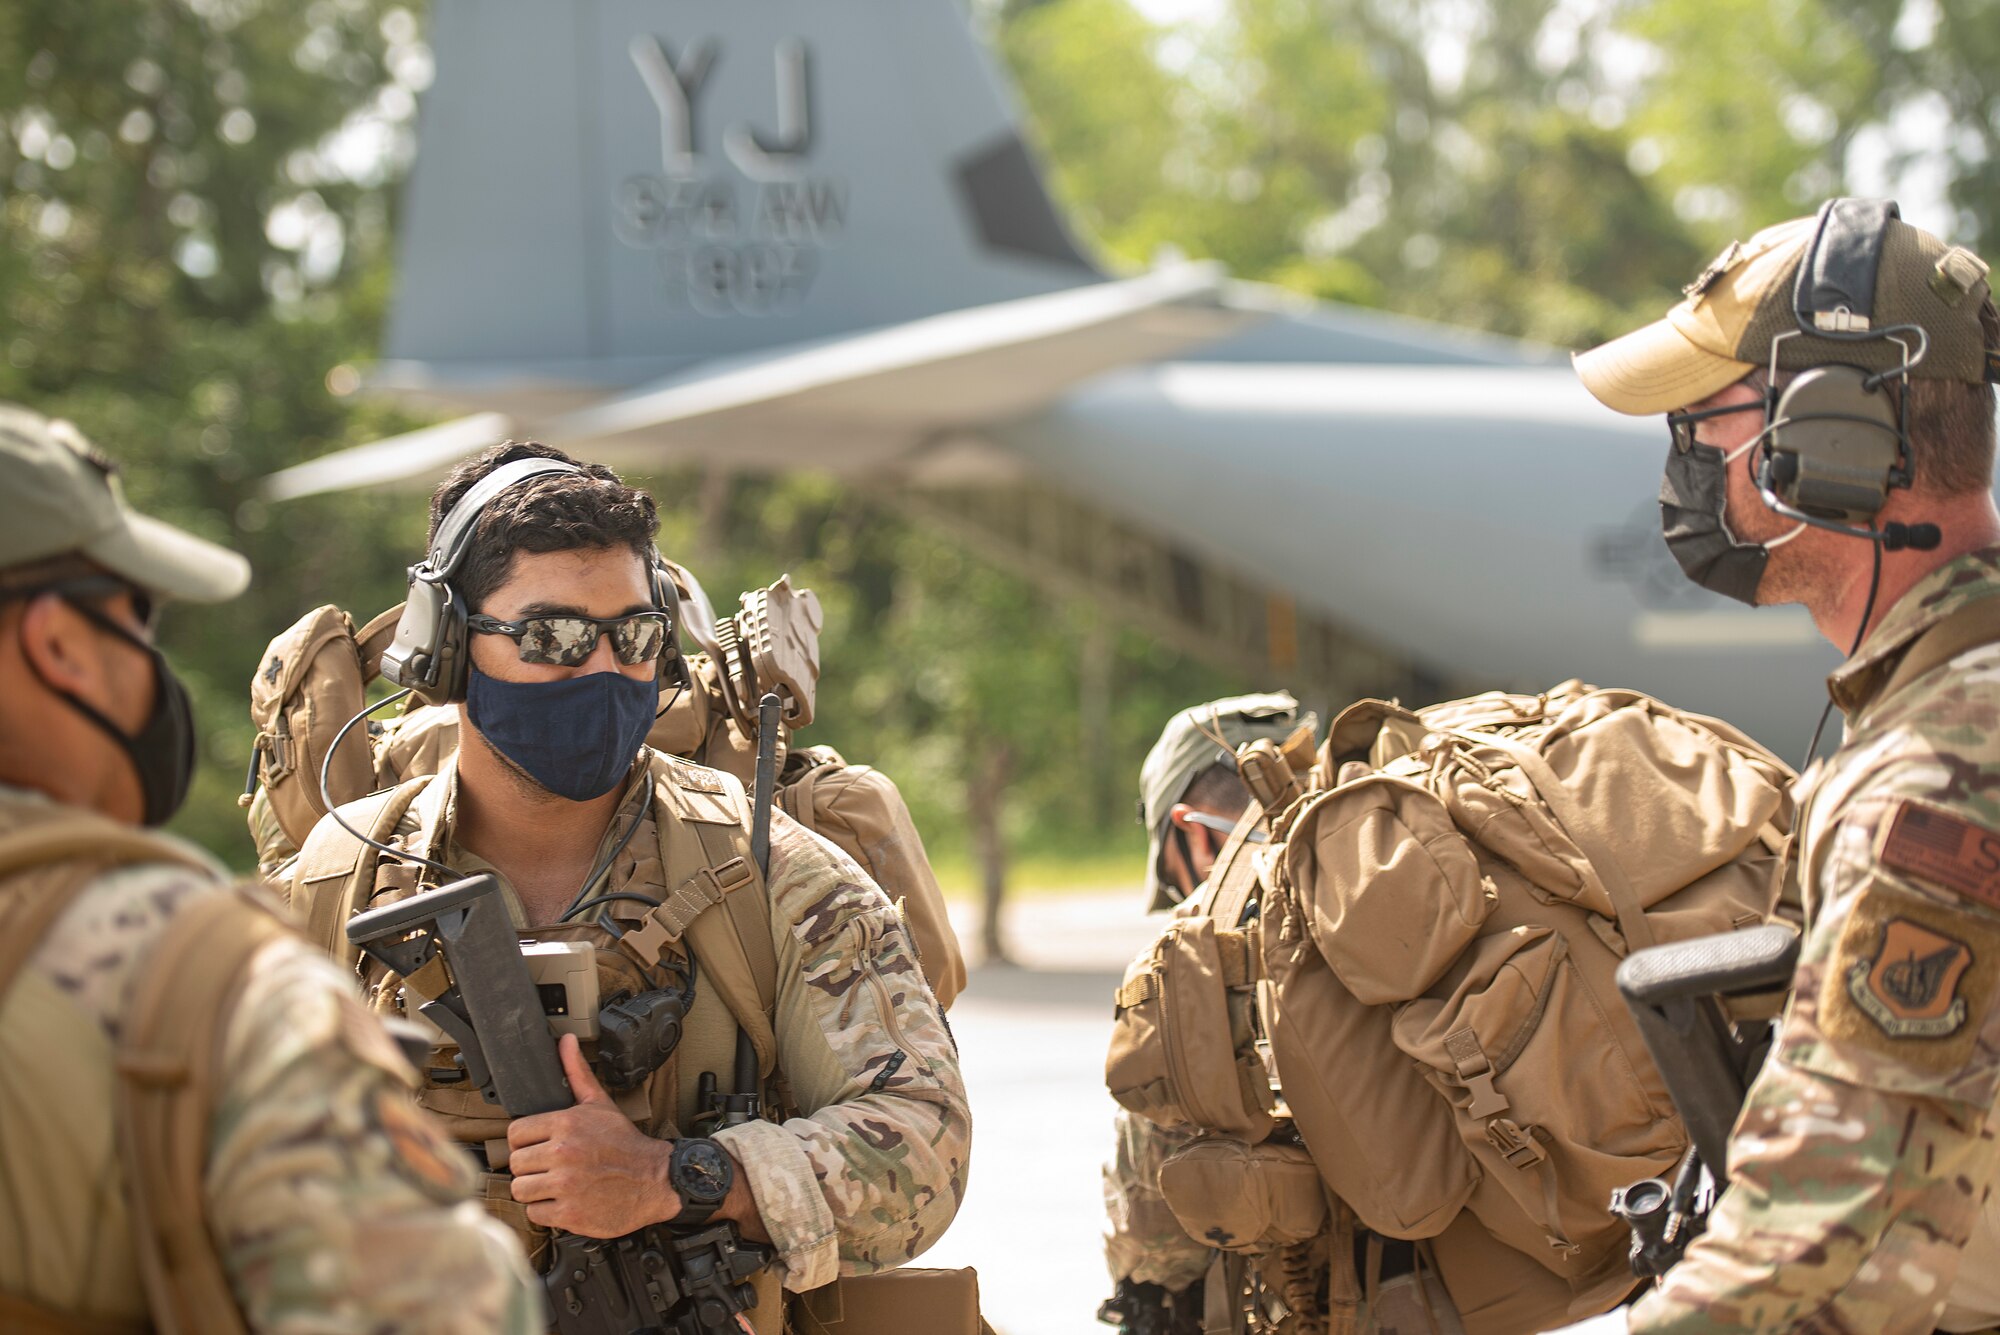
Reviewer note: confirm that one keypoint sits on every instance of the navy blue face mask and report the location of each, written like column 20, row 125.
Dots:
column 575, row 737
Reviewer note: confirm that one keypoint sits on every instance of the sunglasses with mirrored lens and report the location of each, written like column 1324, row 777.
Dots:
column 566, row 641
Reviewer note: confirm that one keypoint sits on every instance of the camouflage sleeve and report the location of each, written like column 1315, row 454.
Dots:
column 1143, row 1242
column 1862, row 1154
column 338, row 1207
column 872, row 1169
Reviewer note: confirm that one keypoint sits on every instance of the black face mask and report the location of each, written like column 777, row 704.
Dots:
column 1693, row 492
column 162, row 753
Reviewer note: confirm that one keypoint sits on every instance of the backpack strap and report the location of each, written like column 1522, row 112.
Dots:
column 330, row 852
column 169, row 1060
column 1582, row 827
column 1968, row 627
column 738, row 955
column 72, row 846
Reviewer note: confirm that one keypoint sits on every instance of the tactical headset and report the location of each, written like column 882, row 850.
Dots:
column 429, row 654
column 1834, row 444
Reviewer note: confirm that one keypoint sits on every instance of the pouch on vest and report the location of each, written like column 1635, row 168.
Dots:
column 1244, row 1198
column 1185, row 1047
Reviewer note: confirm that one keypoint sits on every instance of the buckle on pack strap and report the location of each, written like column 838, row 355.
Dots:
column 699, row 893
column 1516, row 1143
column 1475, row 1074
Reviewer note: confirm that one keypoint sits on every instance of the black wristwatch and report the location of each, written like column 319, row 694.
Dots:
column 701, row 1175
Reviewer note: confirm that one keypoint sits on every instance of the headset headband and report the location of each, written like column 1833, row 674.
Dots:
column 1835, row 292
column 454, row 535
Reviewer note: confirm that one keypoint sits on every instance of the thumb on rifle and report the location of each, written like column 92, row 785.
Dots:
column 582, row 1081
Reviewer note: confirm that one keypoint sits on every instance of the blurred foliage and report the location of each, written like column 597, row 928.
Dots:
column 197, row 201
column 1552, row 169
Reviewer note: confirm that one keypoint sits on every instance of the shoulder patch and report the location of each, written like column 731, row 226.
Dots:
column 1949, row 850
column 1911, row 980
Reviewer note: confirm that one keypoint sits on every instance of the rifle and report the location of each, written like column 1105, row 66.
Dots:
column 1708, row 1062
column 456, row 946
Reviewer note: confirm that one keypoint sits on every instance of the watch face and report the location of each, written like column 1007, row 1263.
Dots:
column 701, row 1171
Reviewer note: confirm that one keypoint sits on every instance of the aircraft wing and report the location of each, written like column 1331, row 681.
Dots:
column 852, row 402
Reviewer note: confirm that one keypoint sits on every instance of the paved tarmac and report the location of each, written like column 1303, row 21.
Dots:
column 1032, row 1037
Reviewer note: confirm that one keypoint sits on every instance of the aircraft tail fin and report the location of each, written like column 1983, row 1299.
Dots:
column 608, row 190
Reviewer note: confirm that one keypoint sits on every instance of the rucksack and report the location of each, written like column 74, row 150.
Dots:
column 168, row 1044
column 311, row 680
column 1440, row 916
column 860, row 810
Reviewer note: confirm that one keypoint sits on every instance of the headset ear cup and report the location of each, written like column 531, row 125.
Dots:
column 673, row 664
column 454, row 662
column 1836, row 445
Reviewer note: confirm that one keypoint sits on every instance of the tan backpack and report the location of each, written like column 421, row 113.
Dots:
column 1441, row 930
column 861, row 811
column 167, row 1049
column 310, row 682
column 1436, row 927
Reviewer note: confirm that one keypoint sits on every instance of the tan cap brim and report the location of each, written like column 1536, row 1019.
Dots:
column 1655, row 370
column 168, row 561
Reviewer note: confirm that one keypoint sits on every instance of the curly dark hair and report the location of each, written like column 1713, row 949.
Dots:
column 556, row 512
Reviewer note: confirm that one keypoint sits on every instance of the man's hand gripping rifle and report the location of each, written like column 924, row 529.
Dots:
column 1675, row 994
column 457, row 947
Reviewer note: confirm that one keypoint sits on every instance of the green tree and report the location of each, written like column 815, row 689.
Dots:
column 183, row 258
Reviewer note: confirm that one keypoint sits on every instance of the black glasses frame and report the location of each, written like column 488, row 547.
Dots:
column 1681, row 425
column 92, row 586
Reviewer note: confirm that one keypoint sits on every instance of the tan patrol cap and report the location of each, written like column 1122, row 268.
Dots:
column 63, row 496
column 1744, row 299
column 1194, row 739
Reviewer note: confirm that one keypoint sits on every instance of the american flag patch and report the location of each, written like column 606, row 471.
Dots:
column 1942, row 848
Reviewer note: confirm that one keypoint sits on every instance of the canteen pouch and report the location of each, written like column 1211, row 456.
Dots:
column 1183, row 1050
column 1244, row 1198
column 1390, row 888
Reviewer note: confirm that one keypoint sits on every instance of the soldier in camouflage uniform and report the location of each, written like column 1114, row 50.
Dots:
column 870, row 1166
column 1864, row 1164
column 1191, row 797
column 334, row 1206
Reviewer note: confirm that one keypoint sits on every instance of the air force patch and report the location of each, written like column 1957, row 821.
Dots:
column 1910, row 987
column 1909, row 984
